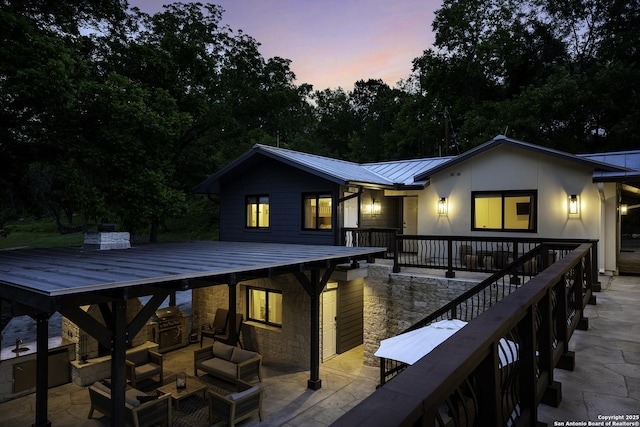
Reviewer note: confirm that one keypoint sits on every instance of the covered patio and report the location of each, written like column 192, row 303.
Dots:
column 40, row 282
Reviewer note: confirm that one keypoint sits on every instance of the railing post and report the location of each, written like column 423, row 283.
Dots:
column 552, row 392
column 489, row 387
column 383, row 368
column 583, row 322
column 567, row 359
column 397, row 243
column 527, row 354
column 450, row 272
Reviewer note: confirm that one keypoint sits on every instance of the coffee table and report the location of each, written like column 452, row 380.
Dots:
column 193, row 386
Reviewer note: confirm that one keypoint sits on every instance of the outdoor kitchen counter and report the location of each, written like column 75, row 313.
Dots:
column 52, row 343
column 17, row 370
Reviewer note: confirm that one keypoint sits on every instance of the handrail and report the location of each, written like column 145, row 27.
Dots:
column 499, row 367
column 485, row 294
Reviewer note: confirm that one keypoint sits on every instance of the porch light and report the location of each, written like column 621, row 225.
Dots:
column 376, row 208
column 624, row 209
column 574, row 207
column 442, row 206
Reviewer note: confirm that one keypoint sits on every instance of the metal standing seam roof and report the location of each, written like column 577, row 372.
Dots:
column 344, row 171
column 403, row 172
column 503, row 140
column 72, row 270
column 392, row 174
column 416, row 172
column 625, row 159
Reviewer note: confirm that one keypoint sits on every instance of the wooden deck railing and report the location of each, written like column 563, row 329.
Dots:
column 497, row 369
column 478, row 299
column 451, row 253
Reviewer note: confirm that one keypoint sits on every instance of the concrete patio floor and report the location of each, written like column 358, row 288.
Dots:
column 605, row 382
column 286, row 401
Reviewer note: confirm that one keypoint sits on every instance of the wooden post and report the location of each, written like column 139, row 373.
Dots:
column 232, row 327
column 118, row 355
column 314, row 286
column 42, row 369
column 315, row 383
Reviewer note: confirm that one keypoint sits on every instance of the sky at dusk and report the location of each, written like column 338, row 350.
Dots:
column 333, row 43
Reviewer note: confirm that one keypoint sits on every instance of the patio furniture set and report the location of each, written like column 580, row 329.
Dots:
column 235, row 402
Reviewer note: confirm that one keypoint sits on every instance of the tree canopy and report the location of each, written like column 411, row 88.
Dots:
column 110, row 114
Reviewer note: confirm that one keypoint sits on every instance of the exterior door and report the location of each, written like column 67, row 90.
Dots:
column 329, row 313
column 410, row 221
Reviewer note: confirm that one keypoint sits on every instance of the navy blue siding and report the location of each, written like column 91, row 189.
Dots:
column 284, row 185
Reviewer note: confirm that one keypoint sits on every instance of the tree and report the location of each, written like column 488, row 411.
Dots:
column 43, row 72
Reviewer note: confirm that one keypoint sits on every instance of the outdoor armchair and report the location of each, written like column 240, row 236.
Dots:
column 238, row 406
column 219, row 325
column 142, row 364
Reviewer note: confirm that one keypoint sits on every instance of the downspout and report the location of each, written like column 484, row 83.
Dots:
column 603, row 230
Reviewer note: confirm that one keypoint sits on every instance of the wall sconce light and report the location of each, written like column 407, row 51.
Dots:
column 376, row 208
column 624, row 209
column 574, row 205
column 442, row 206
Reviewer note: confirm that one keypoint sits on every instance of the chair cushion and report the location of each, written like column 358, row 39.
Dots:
column 240, row 355
column 219, row 366
column 131, row 397
column 147, row 370
column 144, row 398
column 102, row 387
column 239, row 395
column 139, row 357
column 222, row 350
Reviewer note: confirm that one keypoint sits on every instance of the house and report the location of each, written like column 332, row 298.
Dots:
column 504, row 188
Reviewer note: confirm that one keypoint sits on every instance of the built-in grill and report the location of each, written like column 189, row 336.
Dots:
column 169, row 328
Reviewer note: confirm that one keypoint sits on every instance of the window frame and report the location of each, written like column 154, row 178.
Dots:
column 257, row 213
column 267, row 291
column 504, row 194
column 317, row 195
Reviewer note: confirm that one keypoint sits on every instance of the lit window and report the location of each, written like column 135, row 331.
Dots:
column 257, row 212
column 317, row 211
column 264, row 306
column 504, row 211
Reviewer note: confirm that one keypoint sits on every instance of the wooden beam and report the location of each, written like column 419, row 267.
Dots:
column 94, row 328
column 147, row 311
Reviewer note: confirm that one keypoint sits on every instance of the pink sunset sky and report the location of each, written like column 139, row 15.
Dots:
column 333, row 43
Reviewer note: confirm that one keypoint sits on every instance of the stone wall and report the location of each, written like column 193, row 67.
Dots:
column 395, row 301
column 290, row 344
column 392, row 303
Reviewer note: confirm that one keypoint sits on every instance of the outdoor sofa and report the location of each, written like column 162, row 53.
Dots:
column 227, row 362
column 141, row 410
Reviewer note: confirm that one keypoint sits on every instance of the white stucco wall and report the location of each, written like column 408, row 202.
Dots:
column 506, row 168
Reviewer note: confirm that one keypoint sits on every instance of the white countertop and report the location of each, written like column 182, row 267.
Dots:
column 52, row 343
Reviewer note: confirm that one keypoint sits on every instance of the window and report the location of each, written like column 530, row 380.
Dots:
column 316, row 211
column 504, row 211
column 257, row 212
column 264, row 306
